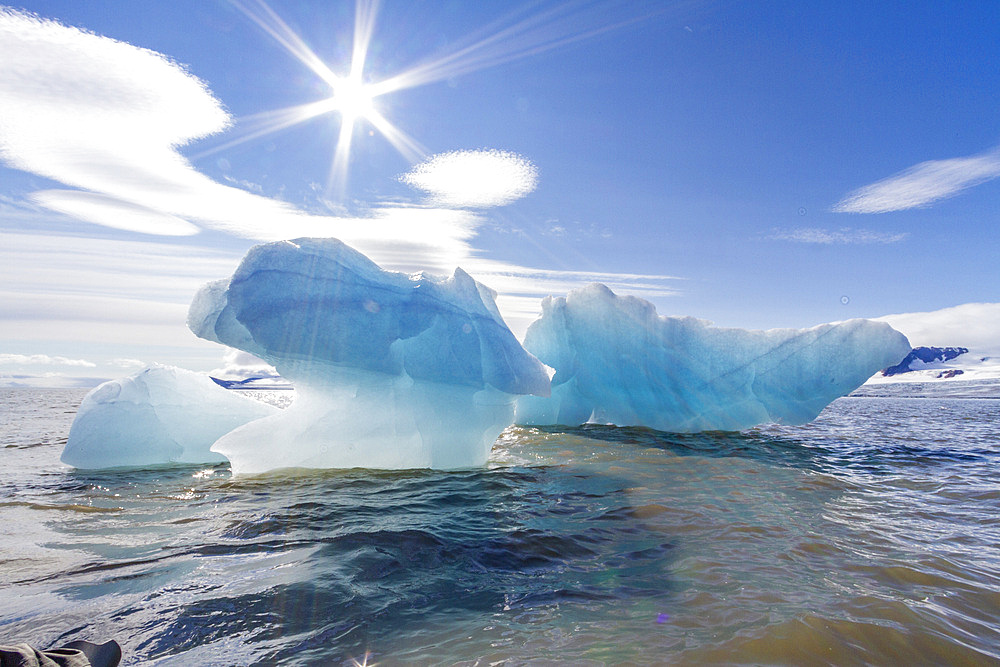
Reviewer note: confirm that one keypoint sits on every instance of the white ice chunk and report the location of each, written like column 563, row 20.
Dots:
column 617, row 361
column 390, row 370
column 159, row 415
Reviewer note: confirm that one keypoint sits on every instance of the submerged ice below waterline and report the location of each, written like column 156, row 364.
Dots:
column 390, row 370
column 618, row 362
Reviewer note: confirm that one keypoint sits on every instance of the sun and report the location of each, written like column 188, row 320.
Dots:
column 353, row 100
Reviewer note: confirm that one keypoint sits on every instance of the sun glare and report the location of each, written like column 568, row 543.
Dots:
column 352, row 99
column 517, row 36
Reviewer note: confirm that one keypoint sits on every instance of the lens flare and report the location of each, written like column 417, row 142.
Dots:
column 520, row 34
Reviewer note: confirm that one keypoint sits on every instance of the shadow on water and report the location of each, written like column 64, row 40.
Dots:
column 817, row 452
column 305, row 566
column 753, row 445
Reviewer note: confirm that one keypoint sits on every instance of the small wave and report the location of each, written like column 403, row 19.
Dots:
column 71, row 507
column 899, row 636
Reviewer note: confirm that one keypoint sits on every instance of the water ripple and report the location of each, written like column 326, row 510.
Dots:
column 870, row 535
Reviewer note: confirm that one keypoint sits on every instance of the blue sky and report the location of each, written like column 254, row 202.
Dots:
column 758, row 165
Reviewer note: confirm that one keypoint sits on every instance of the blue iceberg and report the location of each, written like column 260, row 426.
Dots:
column 616, row 361
column 390, row 370
column 401, row 371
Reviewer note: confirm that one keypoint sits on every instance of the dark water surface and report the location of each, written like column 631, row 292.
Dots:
column 869, row 536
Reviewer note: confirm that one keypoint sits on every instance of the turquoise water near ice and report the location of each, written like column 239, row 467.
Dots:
column 871, row 535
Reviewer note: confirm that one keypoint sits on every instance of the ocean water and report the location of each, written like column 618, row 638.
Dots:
column 871, row 535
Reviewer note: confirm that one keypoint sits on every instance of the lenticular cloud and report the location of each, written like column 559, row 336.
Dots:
column 100, row 115
column 474, row 179
column 107, row 118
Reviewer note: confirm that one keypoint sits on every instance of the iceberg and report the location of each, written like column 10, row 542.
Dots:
column 617, row 361
column 390, row 370
column 400, row 371
column 159, row 415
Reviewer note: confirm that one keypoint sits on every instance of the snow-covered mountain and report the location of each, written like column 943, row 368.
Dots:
column 920, row 357
column 951, row 344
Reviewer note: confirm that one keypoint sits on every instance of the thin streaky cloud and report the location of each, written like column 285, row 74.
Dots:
column 842, row 236
column 105, row 308
column 105, row 290
column 172, row 334
column 59, row 287
column 522, row 288
column 503, row 268
column 111, row 212
column 43, row 360
column 923, row 184
column 536, row 283
column 128, row 363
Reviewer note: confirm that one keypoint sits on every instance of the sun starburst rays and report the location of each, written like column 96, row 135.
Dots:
column 352, row 98
column 365, row 12
column 268, row 21
column 261, row 124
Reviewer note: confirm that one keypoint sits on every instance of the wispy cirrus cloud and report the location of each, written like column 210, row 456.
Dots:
column 43, row 360
column 48, row 381
column 111, row 212
column 923, row 184
column 520, row 287
column 842, row 236
column 128, row 363
column 58, row 289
